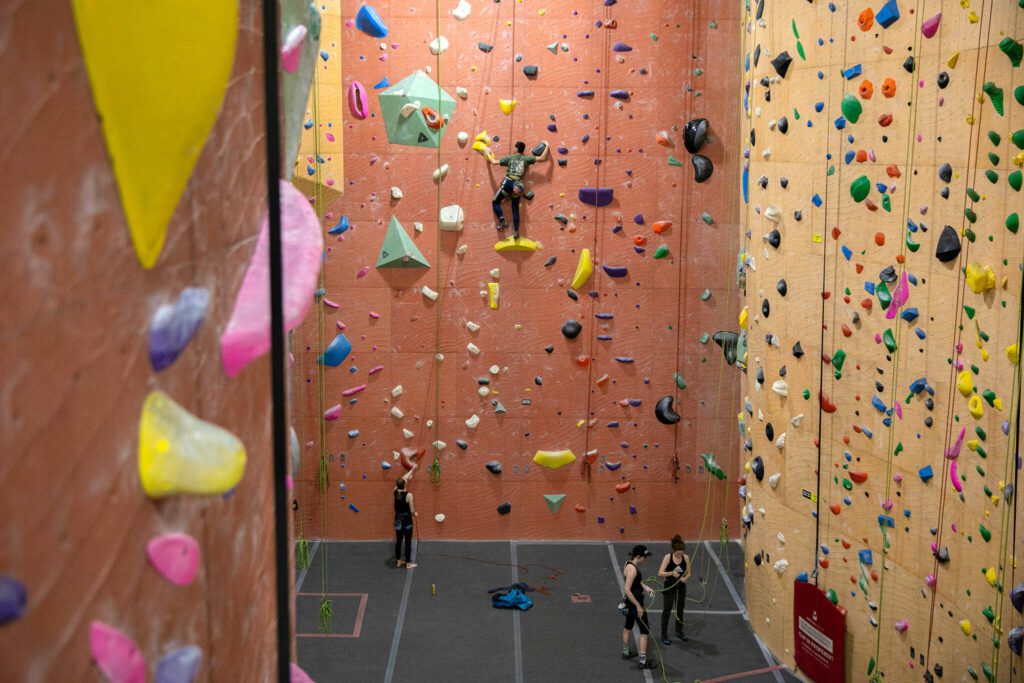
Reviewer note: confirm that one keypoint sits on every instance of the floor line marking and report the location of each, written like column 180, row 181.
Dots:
column 516, row 630
column 622, row 587
column 744, row 674
column 302, row 574
column 714, row 612
column 736, row 598
column 400, row 620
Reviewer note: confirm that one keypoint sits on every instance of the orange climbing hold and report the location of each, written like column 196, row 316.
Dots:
column 893, row 171
column 661, row 226
column 602, row 380
column 663, row 138
column 622, row 487
column 866, row 19
column 885, row 120
column 434, row 120
column 580, row 507
column 639, row 240
column 858, row 477
column 583, row 361
column 880, row 238
column 889, row 87
column 834, row 507
column 867, row 89
column 827, row 404
column 861, row 156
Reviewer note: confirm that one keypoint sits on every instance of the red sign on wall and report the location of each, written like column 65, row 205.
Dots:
column 820, row 634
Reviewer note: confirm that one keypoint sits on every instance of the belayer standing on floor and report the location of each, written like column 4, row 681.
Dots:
column 512, row 187
column 675, row 569
column 405, row 510
column 635, row 611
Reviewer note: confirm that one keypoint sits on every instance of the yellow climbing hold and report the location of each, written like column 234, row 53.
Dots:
column 515, row 244
column 159, row 71
column 584, row 269
column 554, row 459
column 964, row 383
column 493, row 292
column 743, row 318
column 507, row 106
column 965, row 626
column 953, row 59
column 976, row 407
column 482, row 143
column 980, row 278
column 1013, row 353
column 179, row 453
column 991, row 575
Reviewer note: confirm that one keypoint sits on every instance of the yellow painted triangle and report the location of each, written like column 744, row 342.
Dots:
column 158, row 70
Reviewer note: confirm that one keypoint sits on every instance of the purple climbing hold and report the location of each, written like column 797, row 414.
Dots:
column 596, row 196
column 619, row 94
column 1016, row 598
column 13, row 598
column 584, row 93
column 612, row 466
column 174, row 325
column 638, row 219
column 615, row 271
column 621, row 47
column 179, row 666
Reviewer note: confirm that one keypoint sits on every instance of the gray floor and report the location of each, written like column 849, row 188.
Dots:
column 436, row 623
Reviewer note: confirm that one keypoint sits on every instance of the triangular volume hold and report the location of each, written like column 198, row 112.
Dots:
column 398, row 250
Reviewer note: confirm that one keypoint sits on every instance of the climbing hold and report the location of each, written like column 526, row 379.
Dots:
column 623, row 486
column 1015, row 639
column 980, row 278
column 571, row 329
column 554, row 459
column 702, row 167
column 695, row 134
column 554, row 500
column 965, row 626
column 596, row 196
column 888, row 15
column 247, row 335
column 426, row 130
column 1016, row 598
column 727, row 340
column 336, row 352
column 851, row 108
column 930, row 25
column 409, row 456
column 995, row 96
column 531, row 71
column 493, row 294
column 615, row 271
column 14, row 598
column 948, row 247
column 507, row 106
column 179, row 453
column 757, row 466
column 494, row 467
column 584, row 269
column 181, row 665
column 439, row 517
column 976, row 407
column 505, row 508
column 860, row 188
column 451, row 218
column 1013, row 50
column 664, row 412
column 462, row 10
column 174, row 325
column 781, row 63
column 370, row 23
column 116, row 655
column 357, row 103
column 398, row 250
column 175, row 556
column 774, row 238
column 513, row 243
column 184, row 52
column 438, row 46
column 660, row 227
column 712, row 466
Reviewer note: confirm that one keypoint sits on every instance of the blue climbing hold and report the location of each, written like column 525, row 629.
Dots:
column 340, row 228
column 926, row 473
column 336, row 352
column 370, row 23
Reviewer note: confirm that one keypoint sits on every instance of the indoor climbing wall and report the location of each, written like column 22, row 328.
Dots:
column 882, row 266
column 137, row 507
column 540, row 399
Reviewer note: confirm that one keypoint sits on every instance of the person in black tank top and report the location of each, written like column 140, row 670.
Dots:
column 405, row 511
column 675, row 569
column 636, row 612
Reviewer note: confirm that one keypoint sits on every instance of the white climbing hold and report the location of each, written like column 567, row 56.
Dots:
column 451, row 218
column 406, row 434
column 462, row 138
column 439, row 517
column 473, row 421
column 417, row 226
column 463, row 248
column 462, row 10
column 484, row 392
column 397, row 391
column 472, row 326
column 429, row 293
column 773, row 480
column 439, row 445
column 396, row 193
column 797, row 419
column 397, row 412
column 409, row 108
column 438, row 45
column 494, row 369
column 496, row 273
column 461, row 92
column 781, row 441
column 781, row 566
column 773, row 213
column 781, row 538
column 780, row 387
column 439, row 357
column 440, row 173
column 473, row 349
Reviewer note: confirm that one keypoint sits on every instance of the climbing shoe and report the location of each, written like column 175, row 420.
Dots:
column 629, row 655
column 647, row 665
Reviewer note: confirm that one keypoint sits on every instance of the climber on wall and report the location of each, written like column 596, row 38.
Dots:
column 512, row 186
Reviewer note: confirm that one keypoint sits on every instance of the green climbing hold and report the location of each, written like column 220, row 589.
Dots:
column 911, row 244
column 653, row 36
column 554, row 500
column 838, row 358
column 831, row 171
column 796, row 33
column 970, row 312
column 871, row 663
column 970, row 669
column 971, row 215
column 704, row 338
column 981, row 433
column 985, row 668
column 990, row 397
column 834, row 599
column 993, row 158
column 1013, row 223
column 1012, row 49
column 672, row 161
column 1018, row 93
column 989, row 613
column 680, row 382
column 706, row 217
column 398, row 250
column 860, row 188
column 995, row 95
column 847, row 484
column 661, row 251
column 1018, row 138
column 985, row 533
column 711, row 466
column 889, row 340
column 800, row 50
column 886, row 203
column 1016, row 179
column 992, row 176
column 852, row 108
column 994, row 138
column 807, row 394
column 969, row 234
column 884, row 296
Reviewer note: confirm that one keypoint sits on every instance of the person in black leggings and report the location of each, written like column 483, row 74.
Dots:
column 675, row 569
column 635, row 611
column 405, row 511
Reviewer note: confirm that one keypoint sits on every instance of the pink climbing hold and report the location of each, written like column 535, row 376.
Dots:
column 175, row 556
column 353, row 391
column 901, row 626
column 333, row 413
column 357, row 100
column 116, row 655
column 953, row 478
column 247, row 336
column 291, row 51
column 954, row 450
column 931, row 25
column 899, row 297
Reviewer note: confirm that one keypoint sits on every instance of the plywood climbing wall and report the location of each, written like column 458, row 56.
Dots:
column 883, row 293
column 74, row 518
column 530, row 387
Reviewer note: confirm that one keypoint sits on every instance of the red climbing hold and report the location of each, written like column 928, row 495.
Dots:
column 583, row 361
column 409, row 455
column 858, row 477
column 826, row 294
column 893, row 171
column 880, row 238
column 580, row 507
column 827, row 404
column 622, row 487
column 823, row 562
column 834, row 507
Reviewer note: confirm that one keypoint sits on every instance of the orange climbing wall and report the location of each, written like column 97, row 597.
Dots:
column 832, row 305
column 73, row 517
column 683, row 66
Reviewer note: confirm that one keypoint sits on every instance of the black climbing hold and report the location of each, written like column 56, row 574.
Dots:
column 562, row 163
column 529, row 194
column 908, row 64
column 757, row 559
column 783, row 125
column 781, row 63
column 483, row 381
column 550, row 262
column 757, row 466
column 942, row 555
column 946, row 173
column 948, row 247
column 763, row 182
column 798, row 215
column 753, row 138
column 702, row 167
column 572, row 294
column 727, row 340
column 530, row 71
column 549, row 348
column 663, row 411
column 783, row 182
column 781, row 287
column 505, row 508
column 944, row 193
column 769, row 431
column 538, row 380
column 461, row 444
column 695, row 134
column 855, row 318
column 888, row 274
column 760, row 10
column 757, row 55
column 943, row 80
column 759, row 375
column 421, row 137
column 539, row 149
column 774, row 238
column 484, row 47
column 561, row 218
column 494, row 467
column 798, row 351
column 783, row 371
column 766, row 308
column 748, row 444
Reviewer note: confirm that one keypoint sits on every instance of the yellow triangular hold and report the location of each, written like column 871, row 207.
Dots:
column 508, row 106
column 584, row 269
column 159, row 70
column 515, row 244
